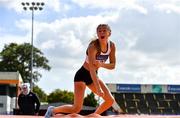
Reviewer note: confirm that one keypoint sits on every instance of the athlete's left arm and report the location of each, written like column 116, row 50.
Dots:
column 112, row 58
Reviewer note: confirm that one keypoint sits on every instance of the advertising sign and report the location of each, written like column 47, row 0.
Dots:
column 128, row 88
column 173, row 88
column 156, row 88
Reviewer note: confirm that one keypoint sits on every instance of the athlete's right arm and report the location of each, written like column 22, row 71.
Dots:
column 92, row 68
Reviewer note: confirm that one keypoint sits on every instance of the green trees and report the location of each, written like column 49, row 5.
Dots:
column 41, row 94
column 60, row 96
column 90, row 100
column 16, row 57
column 68, row 97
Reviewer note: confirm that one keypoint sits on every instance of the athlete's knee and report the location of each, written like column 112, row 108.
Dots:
column 77, row 109
column 109, row 100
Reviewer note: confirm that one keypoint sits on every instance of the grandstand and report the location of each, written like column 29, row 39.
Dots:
column 147, row 99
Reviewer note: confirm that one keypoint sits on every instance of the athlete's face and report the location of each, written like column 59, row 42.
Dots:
column 103, row 32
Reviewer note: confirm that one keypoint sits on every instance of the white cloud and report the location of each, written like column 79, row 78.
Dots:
column 159, row 74
column 139, row 68
column 54, row 4
column 67, row 34
column 7, row 39
column 23, row 24
column 130, row 39
column 168, row 8
column 50, row 44
column 115, row 4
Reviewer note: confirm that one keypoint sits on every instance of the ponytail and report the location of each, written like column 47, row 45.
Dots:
column 96, row 43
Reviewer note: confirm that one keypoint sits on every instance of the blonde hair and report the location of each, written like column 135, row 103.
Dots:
column 96, row 43
column 106, row 25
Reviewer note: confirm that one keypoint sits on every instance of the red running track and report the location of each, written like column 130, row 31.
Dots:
column 94, row 116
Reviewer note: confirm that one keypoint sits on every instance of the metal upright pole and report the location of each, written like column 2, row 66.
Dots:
column 32, row 36
column 33, row 6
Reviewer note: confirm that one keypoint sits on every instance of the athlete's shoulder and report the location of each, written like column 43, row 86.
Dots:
column 92, row 44
column 112, row 44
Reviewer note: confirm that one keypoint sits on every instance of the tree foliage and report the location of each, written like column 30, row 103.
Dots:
column 16, row 57
column 68, row 97
column 90, row 100
column 61, row 96
column 40, row 93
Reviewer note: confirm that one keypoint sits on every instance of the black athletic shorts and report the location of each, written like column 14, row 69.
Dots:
column 83, row 75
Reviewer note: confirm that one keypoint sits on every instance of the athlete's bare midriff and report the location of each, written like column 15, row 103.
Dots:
column 86, row 66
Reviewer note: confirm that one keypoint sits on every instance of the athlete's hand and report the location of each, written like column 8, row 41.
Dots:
column 97, row 64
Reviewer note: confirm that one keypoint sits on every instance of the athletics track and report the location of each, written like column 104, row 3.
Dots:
column 94, row 116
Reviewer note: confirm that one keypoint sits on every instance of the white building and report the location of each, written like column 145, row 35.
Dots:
column 9, row 91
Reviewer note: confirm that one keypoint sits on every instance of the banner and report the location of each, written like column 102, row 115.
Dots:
column 174, row 88
column 156, row 88
column 128, row 88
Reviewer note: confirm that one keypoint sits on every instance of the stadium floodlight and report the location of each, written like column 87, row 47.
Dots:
column 32, row 6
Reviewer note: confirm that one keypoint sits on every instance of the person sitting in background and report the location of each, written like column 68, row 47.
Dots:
column 28, row 101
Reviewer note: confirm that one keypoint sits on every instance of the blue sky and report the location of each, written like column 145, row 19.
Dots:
column 146, row 34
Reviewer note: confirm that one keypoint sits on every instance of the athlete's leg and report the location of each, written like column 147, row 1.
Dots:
column 79, row 89
column 108, row 98
column 117, row 108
